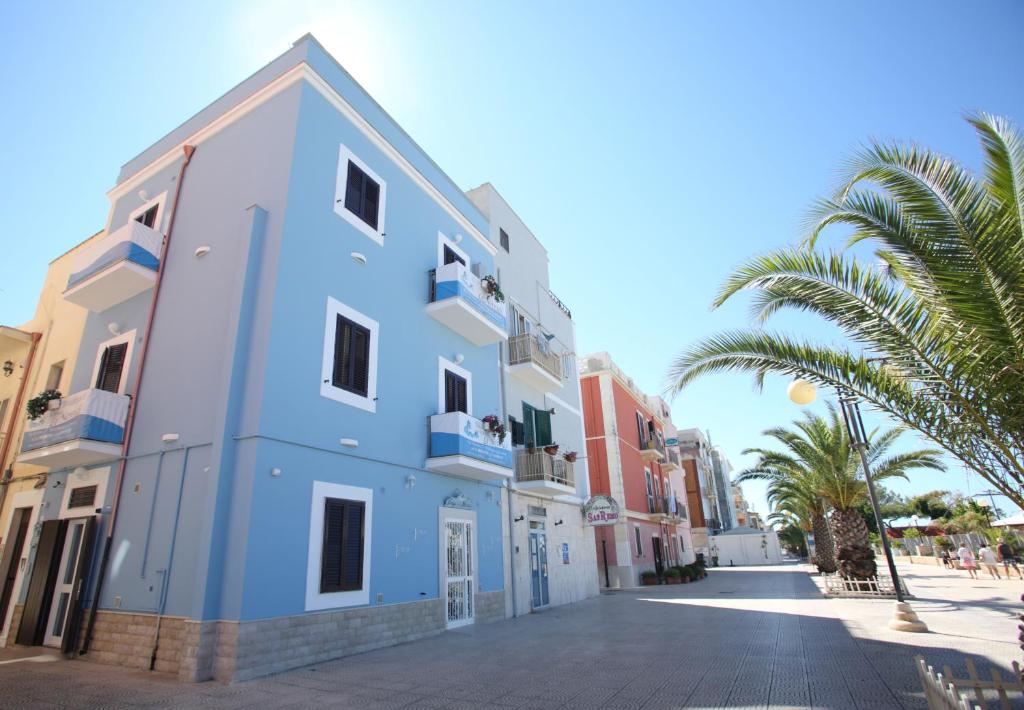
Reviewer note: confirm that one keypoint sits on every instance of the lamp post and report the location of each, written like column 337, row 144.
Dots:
column 802, row 392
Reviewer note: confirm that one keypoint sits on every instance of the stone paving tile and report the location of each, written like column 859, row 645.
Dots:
column 767, row 641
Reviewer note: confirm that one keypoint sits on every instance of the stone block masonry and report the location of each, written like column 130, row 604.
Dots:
column 12, row 633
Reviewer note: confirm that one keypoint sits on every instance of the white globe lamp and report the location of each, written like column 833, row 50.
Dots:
column 802, row 392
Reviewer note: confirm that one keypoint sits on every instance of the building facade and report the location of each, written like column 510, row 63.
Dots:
column 550, row 550
column 695, row 453
column 38, row 355
column 626, row 460
column 288, row 446
column 722, row 475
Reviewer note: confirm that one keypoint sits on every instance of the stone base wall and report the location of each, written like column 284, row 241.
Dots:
column 489, row 606
column 126, row 639
column 12, row 634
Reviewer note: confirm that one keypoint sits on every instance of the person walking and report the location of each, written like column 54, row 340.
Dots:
column 988, row 558
column 1005, row 554
column 967, row 561
column 947, row 559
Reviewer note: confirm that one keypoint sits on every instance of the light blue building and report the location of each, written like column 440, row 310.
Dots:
column 310, row 471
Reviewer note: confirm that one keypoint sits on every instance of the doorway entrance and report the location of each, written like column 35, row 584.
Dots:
column 10, row 565
column 539, row 564
column 459, row 571
column 659, row 558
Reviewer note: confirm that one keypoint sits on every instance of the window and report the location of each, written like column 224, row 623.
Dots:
column 4, row 403
column 338, row 563
column 650, row 490
column 682, row 547
column 503, row 237
column 516, row 428
column 351, row 356
column 520, row 323
column 568, row 361
column 450, row 257
column 536, row 426
column 148, row 217
column 82, row 497
column 639, row 543
column 111, row 366
column 341, row 557
column 349, row 373
column 54, row 378
column 641, row 428
column 454, row 392
column 359, row 196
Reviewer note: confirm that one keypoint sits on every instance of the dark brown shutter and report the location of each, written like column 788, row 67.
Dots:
column 362, row 195
column 40, row 587
column 354, row 189
column 12, row 556
column 360, row 360
column 341, row 559
column 450, row 257
column 342, row 340
column 351, row 357
column 111, row 366
column 518, row 438
column 371, row 199
column 455, row 393
column 148, row 217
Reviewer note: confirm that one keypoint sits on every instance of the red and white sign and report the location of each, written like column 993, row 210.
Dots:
column 601, row 510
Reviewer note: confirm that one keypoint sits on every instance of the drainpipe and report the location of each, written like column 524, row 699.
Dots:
column 166, row 581
column 133, row 403
column 502, row 349
column 8, row 472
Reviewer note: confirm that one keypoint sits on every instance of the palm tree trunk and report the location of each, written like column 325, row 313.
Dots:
column 824, row 554
column 853, row 546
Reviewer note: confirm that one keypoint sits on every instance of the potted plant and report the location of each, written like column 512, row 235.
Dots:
column 551, row 449
column 684, row 574
column 672, row 575
column 648, row 578
column 495, row 427
column 491, row 288
column 40, row 404
column 569, row 456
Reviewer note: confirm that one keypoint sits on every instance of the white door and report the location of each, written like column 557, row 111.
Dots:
column 460, row 572
column 63, row 591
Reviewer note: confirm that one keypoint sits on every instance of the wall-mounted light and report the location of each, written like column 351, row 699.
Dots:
column 56, row 484
column 143, row 195
column 457, row 238
column 410, row 481
column 202, row 251
column 459, row 358
column 169, row 438
column 560, row 521
column 358, row 258
column 351, row 443
column 114, row 328
column 551, row 411
column 275, row 472
column 8, row 368
column 549, row 336
column 519, row 519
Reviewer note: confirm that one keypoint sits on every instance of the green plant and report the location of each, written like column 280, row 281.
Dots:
column 672, row 573
column 911, row 533
column 491, row 288
column 942, row 319
column 38, row 405
column 648, row 577
column 942, row 542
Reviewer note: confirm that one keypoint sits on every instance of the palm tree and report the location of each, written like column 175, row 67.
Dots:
column 819, row 463
column 944, row 313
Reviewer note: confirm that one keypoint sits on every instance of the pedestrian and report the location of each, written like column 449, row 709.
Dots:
column 947, row 559
column 967, row 561
column 988, row 558
column 1006, row 556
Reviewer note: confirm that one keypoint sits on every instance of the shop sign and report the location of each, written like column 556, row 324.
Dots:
column 601, row 510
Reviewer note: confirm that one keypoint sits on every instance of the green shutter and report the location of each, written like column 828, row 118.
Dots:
column 543, row 427
column 529, row 435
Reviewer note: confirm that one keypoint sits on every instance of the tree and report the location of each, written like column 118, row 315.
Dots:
column 792, row 538
column 819, row 463
column 945, row 316
column 929, row 505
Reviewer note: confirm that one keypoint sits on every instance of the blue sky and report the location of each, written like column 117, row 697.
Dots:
column 651, row 146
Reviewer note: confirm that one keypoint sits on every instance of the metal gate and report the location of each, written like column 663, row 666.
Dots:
column 539, row 564
column 460, row 572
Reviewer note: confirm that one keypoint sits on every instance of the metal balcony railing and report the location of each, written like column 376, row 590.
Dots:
column 527, row 348
column 540, row 466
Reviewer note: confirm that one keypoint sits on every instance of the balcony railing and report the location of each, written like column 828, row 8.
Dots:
column 458, row 299
column 460, row 445
column 666, row 505
column 540, row 466
column 86, row 427
column 528, row 348
column 119, row 266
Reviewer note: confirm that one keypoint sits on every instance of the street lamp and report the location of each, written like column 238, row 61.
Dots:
column 803, row 392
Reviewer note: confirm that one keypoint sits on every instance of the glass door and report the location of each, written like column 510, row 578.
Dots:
column 64, row 590
column 460, row 575
column 539, row 564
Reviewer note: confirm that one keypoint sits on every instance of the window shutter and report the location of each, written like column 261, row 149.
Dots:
column 529, row 434
column 371, row 198
column 111, row 364
column 330, row 556
column 455, row 399
column 341, row 559
column 503, row 238
column 351, row 357
column 354, row 189
column 543, row 427
column 360, row 360
column 450, row 257
column 640, row 428
column 517, row 432
column 342, row 340
column 352, row 567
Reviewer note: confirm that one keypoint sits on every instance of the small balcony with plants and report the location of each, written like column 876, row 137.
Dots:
column 652, row 450
column 472, row 307
column 78, row 430
column 671, row 462
column 119, row 266
column 467, row 447
column 532, row 360
column 546, row 472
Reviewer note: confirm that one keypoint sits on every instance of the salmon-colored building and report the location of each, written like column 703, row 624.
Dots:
column 628, row 460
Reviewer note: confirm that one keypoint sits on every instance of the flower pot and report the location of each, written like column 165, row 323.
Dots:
column 551, row 450
column 672, row 580
column 649, row 581
column 52, row 405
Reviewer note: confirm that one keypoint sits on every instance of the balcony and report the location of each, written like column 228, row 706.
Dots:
column 545, row 474
column 531, row 360
column 460, row 446
column 652, row 450
column 84, row 428
column 672, row 462
column 669, row 508
column 120, row 266
column 458, row 299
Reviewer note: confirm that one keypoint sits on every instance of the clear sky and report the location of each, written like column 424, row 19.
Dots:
column 650, row 146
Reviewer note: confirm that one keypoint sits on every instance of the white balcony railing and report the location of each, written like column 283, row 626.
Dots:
column 460, row 445
column 532, row 359
column 83, row 428
column 119, row 266
column 539, row 466
column 459, row 300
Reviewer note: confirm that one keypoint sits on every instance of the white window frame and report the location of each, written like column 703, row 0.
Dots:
column 638, row 541
column 128, row 338
column 344, row 156
column 442, row 365
column 327, row 388
column 92, row 477
column 315, row 600
column 442, row 242
column 161, row 213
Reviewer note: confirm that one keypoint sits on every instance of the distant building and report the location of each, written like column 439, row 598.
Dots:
column 722, row 475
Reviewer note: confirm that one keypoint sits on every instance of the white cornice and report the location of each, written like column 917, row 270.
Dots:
column 300, row 72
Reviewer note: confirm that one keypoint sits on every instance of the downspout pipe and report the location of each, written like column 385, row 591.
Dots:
column 134, row 401
column 7, row 472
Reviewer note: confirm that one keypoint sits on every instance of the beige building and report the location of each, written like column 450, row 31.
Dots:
column 35, row 356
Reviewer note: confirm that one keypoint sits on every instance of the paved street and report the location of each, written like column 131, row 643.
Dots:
column 744, row 638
